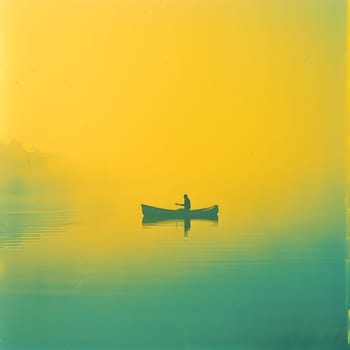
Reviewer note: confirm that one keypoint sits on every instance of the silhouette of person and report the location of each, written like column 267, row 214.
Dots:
column 186, row 204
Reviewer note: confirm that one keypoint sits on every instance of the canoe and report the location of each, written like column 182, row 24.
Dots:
column 154, row 212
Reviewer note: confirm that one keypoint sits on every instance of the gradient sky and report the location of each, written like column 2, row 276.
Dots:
column 237, row 97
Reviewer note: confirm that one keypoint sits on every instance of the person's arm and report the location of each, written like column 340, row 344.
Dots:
column 180, row 204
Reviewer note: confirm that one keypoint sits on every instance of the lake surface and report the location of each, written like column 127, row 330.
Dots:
column 77, row 278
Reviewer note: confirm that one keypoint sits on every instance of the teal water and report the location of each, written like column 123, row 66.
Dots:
column 94, row 281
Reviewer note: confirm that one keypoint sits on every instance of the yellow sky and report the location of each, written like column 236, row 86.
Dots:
column 224, row 91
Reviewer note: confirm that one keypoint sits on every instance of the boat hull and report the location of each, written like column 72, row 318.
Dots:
column 159, row 213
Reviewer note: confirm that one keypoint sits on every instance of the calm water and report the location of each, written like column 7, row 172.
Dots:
column 94, row 279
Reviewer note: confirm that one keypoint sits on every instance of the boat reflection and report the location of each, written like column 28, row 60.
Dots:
column 153, row 216
column 186, row 222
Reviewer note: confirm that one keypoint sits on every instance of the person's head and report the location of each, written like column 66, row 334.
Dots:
column 185, row 196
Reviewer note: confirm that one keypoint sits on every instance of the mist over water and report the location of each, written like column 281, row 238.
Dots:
column 93, row 276
column 239, row 104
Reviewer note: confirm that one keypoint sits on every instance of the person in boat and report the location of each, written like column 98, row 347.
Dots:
column 186, row 204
